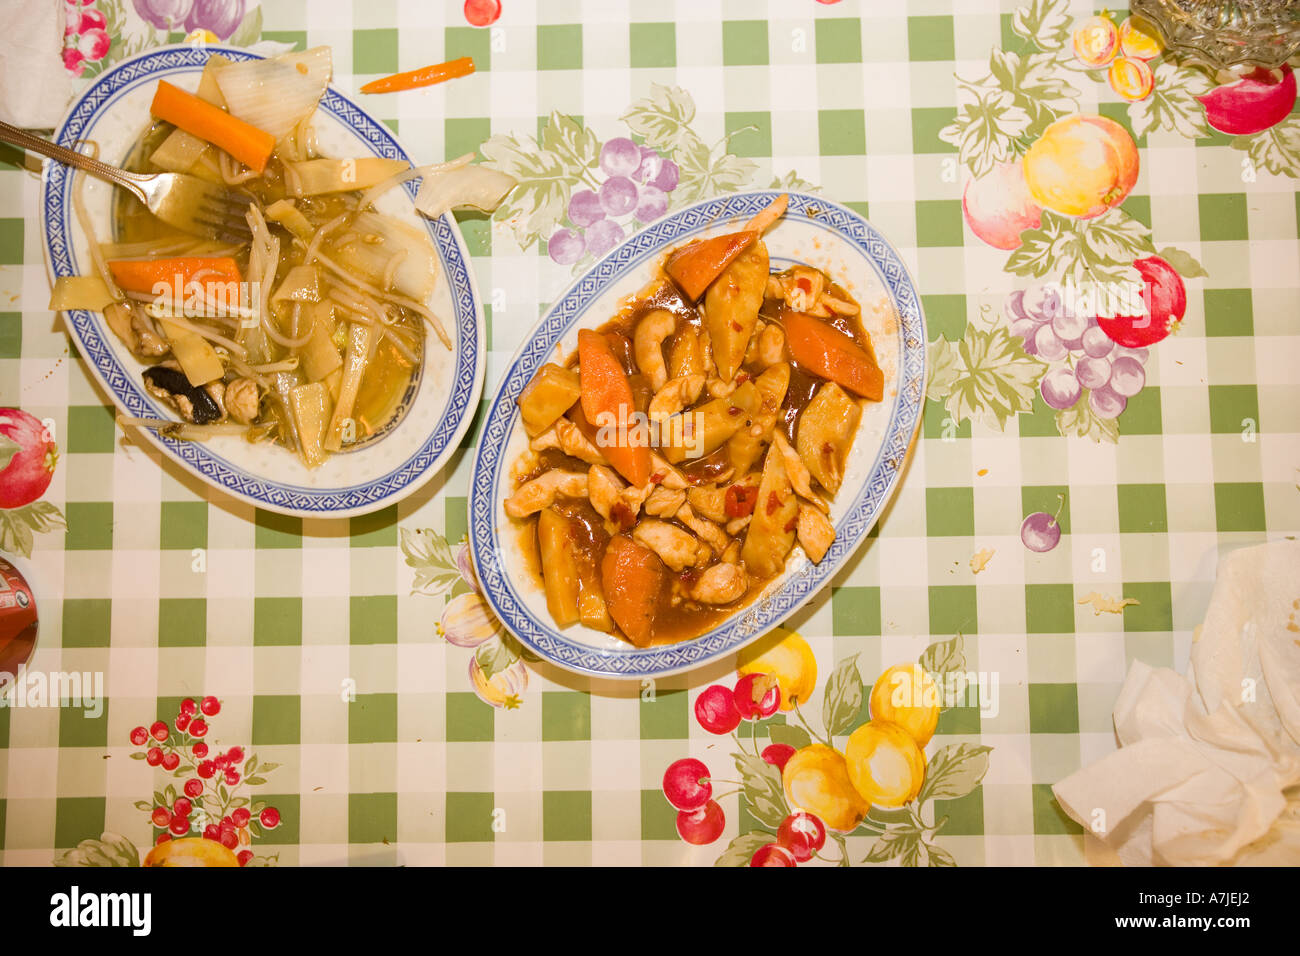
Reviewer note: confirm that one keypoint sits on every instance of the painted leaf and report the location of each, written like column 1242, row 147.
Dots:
column 938, row 856
column 796, row 737
column 1172, row 105
column 1277, row 149
column 792, row 180
column 19, row 526
column 943, row 657
column 1080, row 422
column 427, row 552
column 564, row 137
column 844, row 848
column 1039, row 86
column 889, row 816
column 896, row 842
column 249, row 30
column 954, row 771
column 764, row 795
column 997, row 378
column 842, row 699
column 742, row 848
column 663, row 118
column 1044, row 23
column 986, row 129
column 544, row 182
column 494, row 656
column 706, row 172
column 1184, row 263
column 1099, row 249
column 942, row 367
column 110, row 849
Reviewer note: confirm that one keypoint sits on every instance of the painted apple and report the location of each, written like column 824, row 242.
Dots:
column 1166, row 299
column 27, row 458
column 998, row 207
column 1259, row 100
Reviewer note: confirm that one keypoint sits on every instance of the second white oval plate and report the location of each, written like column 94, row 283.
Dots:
column 814, row 232
column 114, row 112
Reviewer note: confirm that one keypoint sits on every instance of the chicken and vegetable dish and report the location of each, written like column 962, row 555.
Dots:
column 677, row 458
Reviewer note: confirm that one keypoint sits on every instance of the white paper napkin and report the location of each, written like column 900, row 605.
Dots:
column 34, row 85
column 1208, row 770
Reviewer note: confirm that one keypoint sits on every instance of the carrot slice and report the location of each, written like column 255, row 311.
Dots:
column 144, row 275
column 608, row 404
column 632, row 577
column 695, row 266
column 825, row 350
column 244, row 141
column 425, row 76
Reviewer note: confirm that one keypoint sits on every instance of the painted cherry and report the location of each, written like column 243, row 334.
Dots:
column 777, row 755
column 182, row 721
column 482, row 13
column 180, row 825
column 199, row 750
column 803, row 834
column 193, row 788
column 232, row 778
column 235, row 754
column 772, row 854
column 757, row 695
column 183, row 806
column 212, row 832
column 270, row 818
column 154, row 757
column 171, row 761
column 162, row 838
column 139, row 736
column 716, row 711
column 229, row 838
column 206, row 769
column 703, row 825
column 686, row 785
column 160, row 817
column 244, row 857
column 158, row 730
column 240, row 817
column 210, row 706
column 188, row 707
column 198, row 728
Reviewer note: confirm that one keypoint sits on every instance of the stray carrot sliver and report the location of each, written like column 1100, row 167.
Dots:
column 244, row 141
column 425, row 76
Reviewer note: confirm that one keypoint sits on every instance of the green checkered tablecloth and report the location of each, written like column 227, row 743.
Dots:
column 324, row 639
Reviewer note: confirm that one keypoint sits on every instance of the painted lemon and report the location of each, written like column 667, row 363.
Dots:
column 884, row 764
column 906, row 695
column 787, row 657
column 190, row 851
column 1082, row 165
column 816, row 779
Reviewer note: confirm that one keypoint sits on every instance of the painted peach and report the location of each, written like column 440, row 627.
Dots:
column 1095, row 41
column 1081, row 166
column 998, row 207
column 1139, row 39
column 190, row 851
column 1131, row 78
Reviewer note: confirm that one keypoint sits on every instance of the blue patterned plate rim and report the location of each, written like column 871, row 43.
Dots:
column 90, row 334
column 874, row 494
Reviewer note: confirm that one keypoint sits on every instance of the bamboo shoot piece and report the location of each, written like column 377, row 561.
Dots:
column 198, row 359
column 825, row 434
column 290, row 216
column 559, row 566
column 80, row 292
column 342, row 425
column 731, row 308
column 701, row 430
column 318, row 176
column 549, row 395
column 310, row 405
column 320, row 357
column 770, row 534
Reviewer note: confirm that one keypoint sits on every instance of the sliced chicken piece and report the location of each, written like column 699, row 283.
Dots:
column 677, row 394
column 769, row 214
column 544, row 490
column 568, row 438
column 737, row 525
column 669, row 475
column 676, row 548
column 708, row 532
column 711, row 500
column 604, row 489
column 721, row 584
column 816, row 533
column 648, row 346
column 664, row 502
column 732, row 554
column 798, row 472
column 771, row 345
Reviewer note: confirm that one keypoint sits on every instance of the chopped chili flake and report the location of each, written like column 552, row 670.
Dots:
column 742, row 378
column 792, row 523
column 657, row 478
column 622, row 515
column 773, row 502
column 734, row 410
column 740, row 501
column 804, row 284
column 737, row 327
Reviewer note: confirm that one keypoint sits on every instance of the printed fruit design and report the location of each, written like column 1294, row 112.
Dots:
column 1041, row 532
column 688, row 787
column 817, row 780
column 1139, row 39
column 190, row 851
column 1166, row 304
column 482, row 13
column 638, row 181
column 1259, row 100
column 1081, row 166
column 885, row 766
column 1131, row 78
column 209, row 803
column 27, row 458
column 998, row 207
column 906, row 695
column 220, row 17
column 1085, row 360
column 1095, row 41
column 786, row 656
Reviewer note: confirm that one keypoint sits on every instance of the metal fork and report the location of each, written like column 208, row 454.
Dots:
column 189, row 203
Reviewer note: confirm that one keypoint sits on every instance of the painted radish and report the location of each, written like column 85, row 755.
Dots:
column 31, row 457
column 1166, row 300
column 1259, row 100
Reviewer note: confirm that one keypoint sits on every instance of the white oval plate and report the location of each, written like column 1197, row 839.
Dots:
column 813, row 231
column 114, row 112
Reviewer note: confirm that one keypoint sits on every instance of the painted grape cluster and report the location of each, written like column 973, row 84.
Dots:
column 1086, row 364
column 638, row 181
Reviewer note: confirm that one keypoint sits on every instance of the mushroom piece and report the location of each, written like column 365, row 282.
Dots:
column 195, row 404
column 243, row 399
